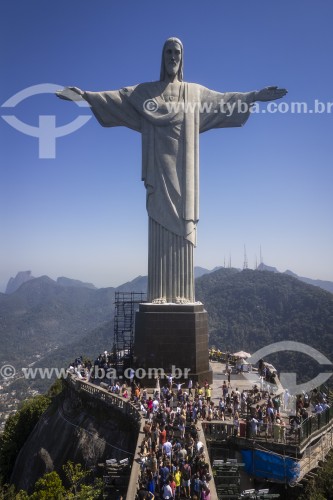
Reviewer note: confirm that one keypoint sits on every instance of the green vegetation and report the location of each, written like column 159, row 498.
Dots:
column 81, row 487
column 90, row 345
column 49, row 486
column 78, row 482
column 77, row 479
column 42, row 314
column 320, row 488
column 17, row 429
column 19, row 426
column 248, row 310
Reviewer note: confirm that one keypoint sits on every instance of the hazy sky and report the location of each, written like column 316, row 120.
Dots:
column 82, row 214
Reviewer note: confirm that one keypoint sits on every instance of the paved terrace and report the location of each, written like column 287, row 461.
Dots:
column 308, row 442
column 296, row 443
column 129, row 410
column 245, row 382
column 296, row 439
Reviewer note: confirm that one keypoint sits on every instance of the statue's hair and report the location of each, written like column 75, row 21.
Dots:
column 180, row 70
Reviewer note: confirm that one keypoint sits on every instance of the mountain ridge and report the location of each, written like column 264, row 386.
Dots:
column 139, row 283
column 250, row 309
column 52, row 323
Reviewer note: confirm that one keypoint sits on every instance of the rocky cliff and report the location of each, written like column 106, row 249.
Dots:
column 75, row 428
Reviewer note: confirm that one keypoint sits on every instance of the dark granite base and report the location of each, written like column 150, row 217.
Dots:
column 173, row 335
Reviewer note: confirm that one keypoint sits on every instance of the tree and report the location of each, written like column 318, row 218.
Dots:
column 75, row 475
column 8, row 492
column 92, row 491
column 17, row 429
column 49, row 486
column 321, row 487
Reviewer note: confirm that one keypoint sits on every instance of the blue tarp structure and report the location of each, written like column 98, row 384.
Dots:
column 270, row 466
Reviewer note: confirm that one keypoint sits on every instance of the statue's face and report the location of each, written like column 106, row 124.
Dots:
column 172, row 58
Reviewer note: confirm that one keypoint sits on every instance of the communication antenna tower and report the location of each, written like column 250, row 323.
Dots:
column 245, row 265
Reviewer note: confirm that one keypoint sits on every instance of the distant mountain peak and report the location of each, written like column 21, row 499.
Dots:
column 15, row 283
column 324, row 285
column 264, row 267
column 290, row 273
column 138, row 284
column 201, row 271
column 71, row 282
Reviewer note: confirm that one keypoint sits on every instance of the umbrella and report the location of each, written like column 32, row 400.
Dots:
column 242, row 354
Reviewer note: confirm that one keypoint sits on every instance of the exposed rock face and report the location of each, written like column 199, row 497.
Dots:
column 15, row 283
column 73, row 429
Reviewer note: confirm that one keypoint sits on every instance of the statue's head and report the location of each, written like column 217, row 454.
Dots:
column 172, row 59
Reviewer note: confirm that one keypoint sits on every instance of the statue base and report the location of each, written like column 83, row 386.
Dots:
column 171, row 337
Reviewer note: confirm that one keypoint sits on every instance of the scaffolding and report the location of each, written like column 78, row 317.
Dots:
column 126, row 305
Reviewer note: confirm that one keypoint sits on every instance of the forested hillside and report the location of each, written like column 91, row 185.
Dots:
column 247, row 310
column 43, row 315
column 250, row 309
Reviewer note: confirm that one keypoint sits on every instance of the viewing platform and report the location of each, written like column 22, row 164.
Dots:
column 285, row 452
column 282, row 453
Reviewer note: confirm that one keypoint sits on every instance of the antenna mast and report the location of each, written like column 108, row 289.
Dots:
column 261, row 259
column 245, row 265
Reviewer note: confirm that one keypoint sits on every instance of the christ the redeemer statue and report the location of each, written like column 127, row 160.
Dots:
column 170, row 114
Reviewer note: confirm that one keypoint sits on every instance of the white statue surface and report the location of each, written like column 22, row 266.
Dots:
column 170, row 114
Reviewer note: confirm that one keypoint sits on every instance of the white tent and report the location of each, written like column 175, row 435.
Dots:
column 242, row 354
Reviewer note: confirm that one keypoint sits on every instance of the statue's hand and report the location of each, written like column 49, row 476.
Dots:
column 270, row 94
column 70, row 94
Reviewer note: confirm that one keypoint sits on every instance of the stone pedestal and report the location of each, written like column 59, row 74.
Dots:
column 168, row 335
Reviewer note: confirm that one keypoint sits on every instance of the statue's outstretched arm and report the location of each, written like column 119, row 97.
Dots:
column 71, row 94
column 269, row 94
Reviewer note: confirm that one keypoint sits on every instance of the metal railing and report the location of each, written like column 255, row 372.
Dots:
column 314, row 424
column 315, row 454
column 289, row 434
column 121, row 404
column 130, row 410
column 110, row 399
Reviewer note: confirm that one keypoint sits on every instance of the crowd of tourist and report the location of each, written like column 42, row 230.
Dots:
column 173, row 460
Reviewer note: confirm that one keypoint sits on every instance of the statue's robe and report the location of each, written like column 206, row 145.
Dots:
column 170, row 168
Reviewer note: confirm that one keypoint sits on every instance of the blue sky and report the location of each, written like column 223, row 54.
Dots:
column 269, row 184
